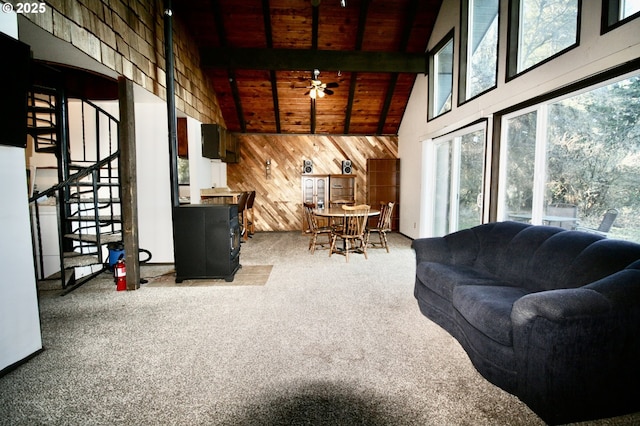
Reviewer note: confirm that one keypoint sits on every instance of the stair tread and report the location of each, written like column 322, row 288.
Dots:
column 48, row 149
column 76, row 200
column 41, row 130
column 114, row 218
column 37, row 108
column 97, row 184
column 73, row 259
column 92, row 238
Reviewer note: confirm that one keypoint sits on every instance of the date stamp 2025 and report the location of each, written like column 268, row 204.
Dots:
column 25, row 8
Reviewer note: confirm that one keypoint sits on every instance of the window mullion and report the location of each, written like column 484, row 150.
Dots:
column 540, row 169
column 455, row 183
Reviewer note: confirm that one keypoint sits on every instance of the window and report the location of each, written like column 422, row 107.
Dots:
column 616, row 12
column 441, row 83
column 479, row 49
column 455, row 186
column 183, row 171
column 540, row 30
column 582, row 150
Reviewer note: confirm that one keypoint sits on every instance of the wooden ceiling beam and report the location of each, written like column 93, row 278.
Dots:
column 303, row 60
column 268, row 33
column 411, row 14
column 236, row 97
column 362, row 21
column 387, row 102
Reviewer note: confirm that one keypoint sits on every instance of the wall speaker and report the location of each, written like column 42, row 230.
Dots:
column 346, row 167
column 307, row 167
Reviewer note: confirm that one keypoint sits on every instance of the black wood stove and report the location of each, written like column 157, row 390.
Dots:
column 206, row 241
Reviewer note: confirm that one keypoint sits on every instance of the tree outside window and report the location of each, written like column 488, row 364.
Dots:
column 479, row 50
column 583, row 150
column 540, row 30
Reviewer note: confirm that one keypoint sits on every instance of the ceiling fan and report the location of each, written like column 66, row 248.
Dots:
column 318, row 89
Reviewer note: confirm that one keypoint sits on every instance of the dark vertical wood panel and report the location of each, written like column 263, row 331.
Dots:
column 128, row 181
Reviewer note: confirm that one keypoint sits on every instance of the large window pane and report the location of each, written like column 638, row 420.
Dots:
column 519, row 167
column 480, row 47
column 458, row 163
column 470, row 182
column 442, row 189
column 545, row 28
column 576, row 158
column 594, row 155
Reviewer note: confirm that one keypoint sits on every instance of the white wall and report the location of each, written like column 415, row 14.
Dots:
column 154, row 184
column 203, row 172
column 19, row 317
column 595, row 54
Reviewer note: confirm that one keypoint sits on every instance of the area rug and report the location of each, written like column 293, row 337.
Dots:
column 246, row 275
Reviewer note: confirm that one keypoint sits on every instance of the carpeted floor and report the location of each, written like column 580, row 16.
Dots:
column 323, row 342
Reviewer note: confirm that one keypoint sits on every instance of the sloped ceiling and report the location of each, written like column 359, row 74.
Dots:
column 260, row 56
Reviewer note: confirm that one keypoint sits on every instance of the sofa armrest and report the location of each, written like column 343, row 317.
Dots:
column 577, row 350
column 559, row 306
column 432, row 250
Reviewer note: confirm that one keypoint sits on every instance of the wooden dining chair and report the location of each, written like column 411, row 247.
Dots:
column 242, row 216
column 340, row 203
column 353, row 231
column 251, row 227
column 315, row 229
column 336, row 222
column 383, row 226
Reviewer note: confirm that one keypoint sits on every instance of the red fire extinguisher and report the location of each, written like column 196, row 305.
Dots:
column 120, row 275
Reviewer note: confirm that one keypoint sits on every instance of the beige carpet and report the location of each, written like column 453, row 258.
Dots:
column 324, row 342
column 247, row 275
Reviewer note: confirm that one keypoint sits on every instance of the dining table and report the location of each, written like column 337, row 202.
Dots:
column 334, row 212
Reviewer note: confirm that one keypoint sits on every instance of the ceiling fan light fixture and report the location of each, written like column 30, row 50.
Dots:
column 343, row 3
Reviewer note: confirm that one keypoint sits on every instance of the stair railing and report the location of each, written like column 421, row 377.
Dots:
column 73, row 180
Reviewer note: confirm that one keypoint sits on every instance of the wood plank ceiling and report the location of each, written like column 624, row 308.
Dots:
column 260, row 56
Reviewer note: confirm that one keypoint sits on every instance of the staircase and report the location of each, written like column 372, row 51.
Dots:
column 85, row 145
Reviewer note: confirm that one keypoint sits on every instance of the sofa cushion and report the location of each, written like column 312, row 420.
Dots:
column 523, row 248
column 488, row 309
column 493, row 247
column 549, row 265
column 604, row 257
column 442, row 279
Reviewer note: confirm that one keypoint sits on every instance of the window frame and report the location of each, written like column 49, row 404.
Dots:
column 464, row 56
column 611, row 8
column 513, row 34
column 449, row 38
column 541, row 106
column 429, row 177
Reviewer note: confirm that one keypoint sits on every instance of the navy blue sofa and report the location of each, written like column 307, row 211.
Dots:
column 549, row 315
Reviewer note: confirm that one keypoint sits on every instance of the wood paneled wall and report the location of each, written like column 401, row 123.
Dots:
column 127, row 36
column 278, row 204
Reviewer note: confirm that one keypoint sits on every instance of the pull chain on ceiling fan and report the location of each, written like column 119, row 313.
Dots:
column 318, row 89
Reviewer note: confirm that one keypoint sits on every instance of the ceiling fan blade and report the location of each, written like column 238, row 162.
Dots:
column 308, row 91
column 328, row 91
column 332, row 84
